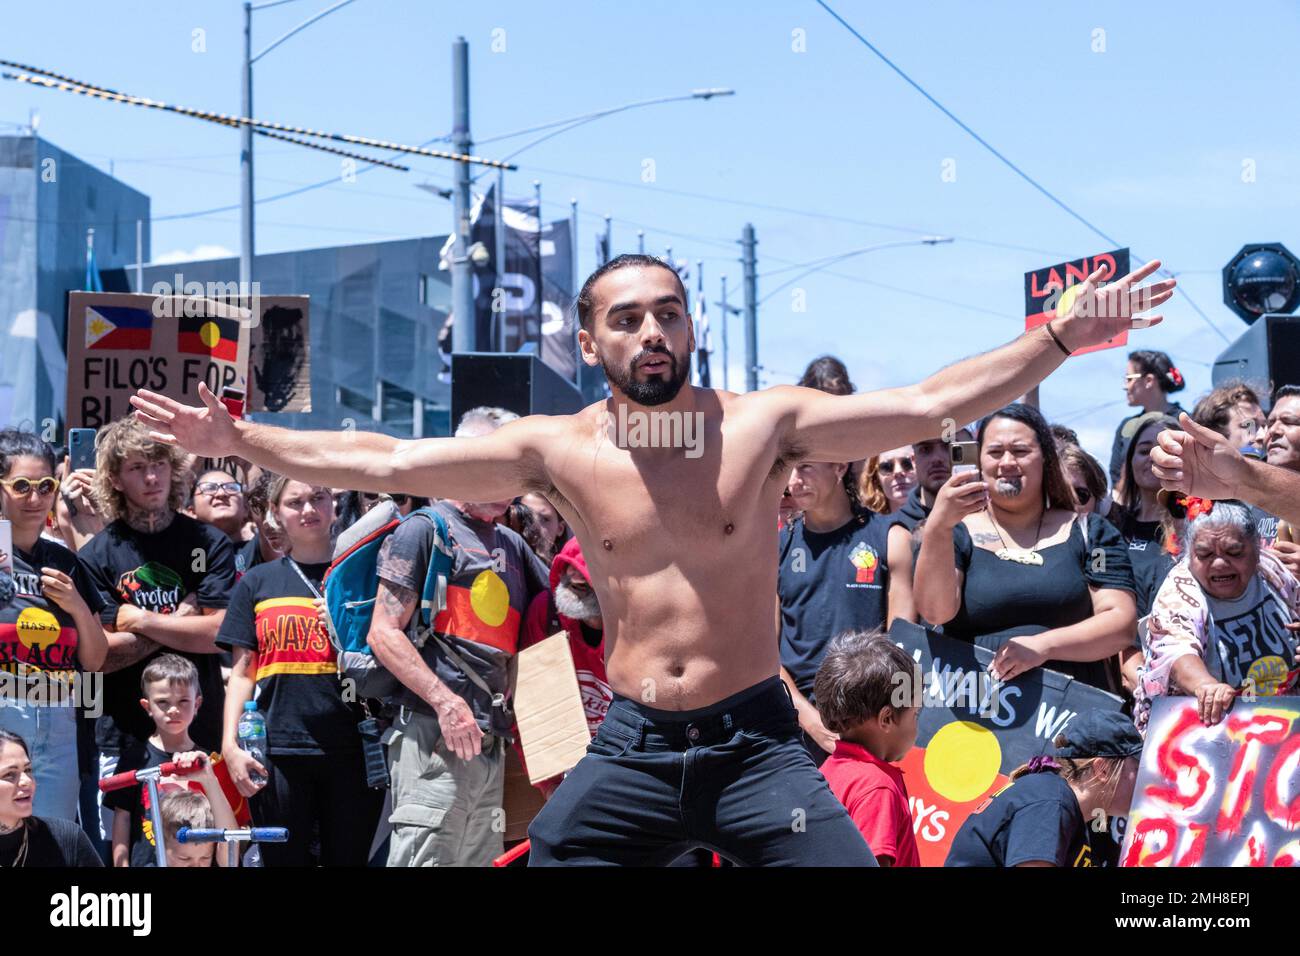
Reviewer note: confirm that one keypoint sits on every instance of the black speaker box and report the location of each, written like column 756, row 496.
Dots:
column 1267, row 353
column 519, row 382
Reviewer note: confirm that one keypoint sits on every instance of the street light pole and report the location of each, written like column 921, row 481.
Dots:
column 464, row 336
column 246, row 250
column 751, row 309
column 246, row 160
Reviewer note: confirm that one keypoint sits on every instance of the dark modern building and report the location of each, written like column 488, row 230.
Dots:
column 48, row 201
column 376, row 311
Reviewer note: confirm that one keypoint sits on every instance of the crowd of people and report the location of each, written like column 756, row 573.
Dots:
column 191, row 588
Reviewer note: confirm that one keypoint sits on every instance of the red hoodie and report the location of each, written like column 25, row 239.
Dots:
column 588, row 661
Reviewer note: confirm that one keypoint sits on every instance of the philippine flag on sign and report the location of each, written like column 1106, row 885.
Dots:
column 118, row 327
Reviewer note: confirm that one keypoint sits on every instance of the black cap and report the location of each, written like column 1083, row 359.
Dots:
column 1101, row 733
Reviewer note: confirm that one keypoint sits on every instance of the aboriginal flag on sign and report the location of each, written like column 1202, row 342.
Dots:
column 218, row 338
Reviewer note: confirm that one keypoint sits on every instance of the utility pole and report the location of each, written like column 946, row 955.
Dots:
column 246, row 161
column 640, row 241
column 573, row 285
column 139, row 255
column 464, row 331
column 726, row 314
column 499, row 257
column 541, row 275
column 748, row 243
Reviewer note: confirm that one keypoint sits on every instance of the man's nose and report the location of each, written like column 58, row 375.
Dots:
column 652, row 332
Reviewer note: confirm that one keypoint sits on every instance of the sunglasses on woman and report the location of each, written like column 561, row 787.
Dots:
column 24, row 486
column 887, row 466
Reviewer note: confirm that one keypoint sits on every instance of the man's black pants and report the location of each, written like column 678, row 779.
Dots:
column 733, row 778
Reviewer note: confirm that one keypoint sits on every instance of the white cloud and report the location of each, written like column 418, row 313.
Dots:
column 198, row 253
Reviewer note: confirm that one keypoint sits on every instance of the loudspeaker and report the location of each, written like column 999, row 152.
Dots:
column 1266, row 353
column 519, row 382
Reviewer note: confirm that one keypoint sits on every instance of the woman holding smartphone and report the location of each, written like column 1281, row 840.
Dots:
column 1006, row 563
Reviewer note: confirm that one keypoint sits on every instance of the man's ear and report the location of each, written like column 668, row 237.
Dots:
column 887, row 717
column 587, row 348
column 690, row 333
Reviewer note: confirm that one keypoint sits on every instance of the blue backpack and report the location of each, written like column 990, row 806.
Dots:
column 350, row 585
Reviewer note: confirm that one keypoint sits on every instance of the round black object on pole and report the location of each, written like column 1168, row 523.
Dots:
column 1263, row 277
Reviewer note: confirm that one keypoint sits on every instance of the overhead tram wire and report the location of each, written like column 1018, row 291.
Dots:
column 790, row 210
column 1003, row 159
column 226, row 120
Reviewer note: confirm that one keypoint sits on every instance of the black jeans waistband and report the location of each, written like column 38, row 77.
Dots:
column 765, row 705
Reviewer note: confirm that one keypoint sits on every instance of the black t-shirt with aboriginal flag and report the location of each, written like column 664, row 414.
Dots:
column 38, row 639
column 155, row 572
column 298, row 690
column 141, row 755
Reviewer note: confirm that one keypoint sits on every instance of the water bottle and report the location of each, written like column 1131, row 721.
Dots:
column 252, row 737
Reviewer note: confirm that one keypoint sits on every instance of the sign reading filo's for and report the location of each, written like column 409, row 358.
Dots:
column 1227, row 795
column 1050, row 290
column 973, row 731
column 121, row 342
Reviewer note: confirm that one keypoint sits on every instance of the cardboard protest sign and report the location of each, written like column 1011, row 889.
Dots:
column 121, row 342
column 973, row 731
column 548, row 708
column 279, row 356
column 1047, row 290
column 1217, row 796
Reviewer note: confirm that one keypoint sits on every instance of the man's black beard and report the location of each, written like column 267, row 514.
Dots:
column 654, row 391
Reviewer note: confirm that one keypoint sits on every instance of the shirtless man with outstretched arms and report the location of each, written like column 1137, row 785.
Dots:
column 701, row 747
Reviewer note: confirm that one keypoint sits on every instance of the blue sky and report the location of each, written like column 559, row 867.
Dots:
column 824, row 150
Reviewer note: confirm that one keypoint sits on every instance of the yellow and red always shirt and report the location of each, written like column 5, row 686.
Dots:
column 272, row 614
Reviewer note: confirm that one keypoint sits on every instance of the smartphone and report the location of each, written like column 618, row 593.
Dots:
column 233, row 399
column 965, row 456
column 81, row 448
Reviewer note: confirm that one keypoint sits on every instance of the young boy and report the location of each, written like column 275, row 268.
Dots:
column 185, row 808
column 867, row 691
column 170, row 688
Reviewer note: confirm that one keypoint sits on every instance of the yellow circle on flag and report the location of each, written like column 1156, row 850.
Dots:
column 1067, row 299
column 37, row 626
column 962, row 760
column 490, row 598
column 209, row 334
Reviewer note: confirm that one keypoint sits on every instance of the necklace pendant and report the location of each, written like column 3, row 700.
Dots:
column 1020, row 556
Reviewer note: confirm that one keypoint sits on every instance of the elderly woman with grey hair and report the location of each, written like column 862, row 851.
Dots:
column 1224, row 621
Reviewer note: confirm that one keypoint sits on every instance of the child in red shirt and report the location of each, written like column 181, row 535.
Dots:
column 866, row 691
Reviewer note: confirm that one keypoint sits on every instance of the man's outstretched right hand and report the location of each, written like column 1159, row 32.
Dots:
column 208, row 431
